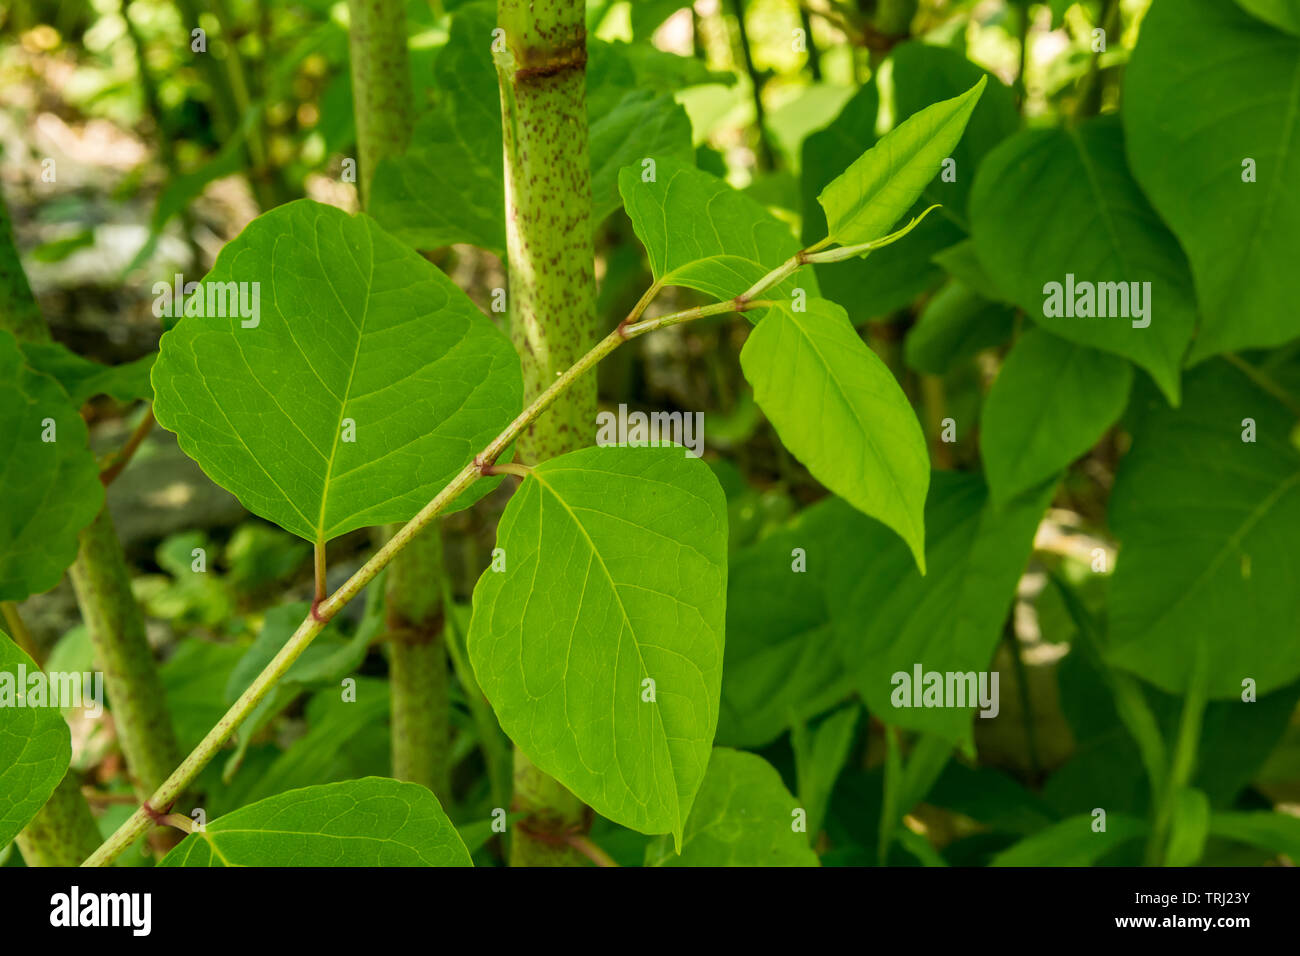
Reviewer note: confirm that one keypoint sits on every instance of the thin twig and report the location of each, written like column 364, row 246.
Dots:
column 123, row 457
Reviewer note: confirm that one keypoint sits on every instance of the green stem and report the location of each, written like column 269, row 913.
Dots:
column 63, row 833
column 552, row 302
column 140, row 714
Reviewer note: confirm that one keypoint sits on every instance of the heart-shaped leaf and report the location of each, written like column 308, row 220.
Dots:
column 600, row 645
column 367, row 381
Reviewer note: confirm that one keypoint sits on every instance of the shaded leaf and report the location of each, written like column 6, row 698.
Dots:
column 369, row 822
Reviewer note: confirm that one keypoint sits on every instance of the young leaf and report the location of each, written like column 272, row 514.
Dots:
column 1198, row 511
column 744, row 816
column 1102, row 233
column 684, row 215
column 365, row 384
column 35, row 746
column 1051, row 402
column 1072, row 842
column 600, row 645
column 894, row 275
column 49, row 482
column 870, row 197
column 369, row 822
column 838, row 408
column 1227, row 187
column 925, row 74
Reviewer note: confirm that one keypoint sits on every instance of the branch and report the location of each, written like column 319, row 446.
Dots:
column 322, row 613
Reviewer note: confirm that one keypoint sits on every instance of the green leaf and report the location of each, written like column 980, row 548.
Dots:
column 1102, row 230
column 870, row 197
column 356, row 332
column 700, row 233
column 194, row 679
column 50, row 490
column 1283, row 14
column 819, row 756
column 1198, row 513
column 1072, row 842
column 35, row 746
column 83, row 379
column 1051, row 402
column 369, row 822
column 888, row 618
column 1208, row 88
column 615, row 575
column 891, row 277
column 743, row 816
column 1188, row 828
column 341, row 735
column 1275, row 832
column 955, row 324
column 782, row 662
column 837, row 407
column 962, row 262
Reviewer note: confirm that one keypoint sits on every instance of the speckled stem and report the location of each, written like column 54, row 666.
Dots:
column 552, row 299
column 417, row 661
column 63, row 833
column 103, row 585
column 381, row 83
